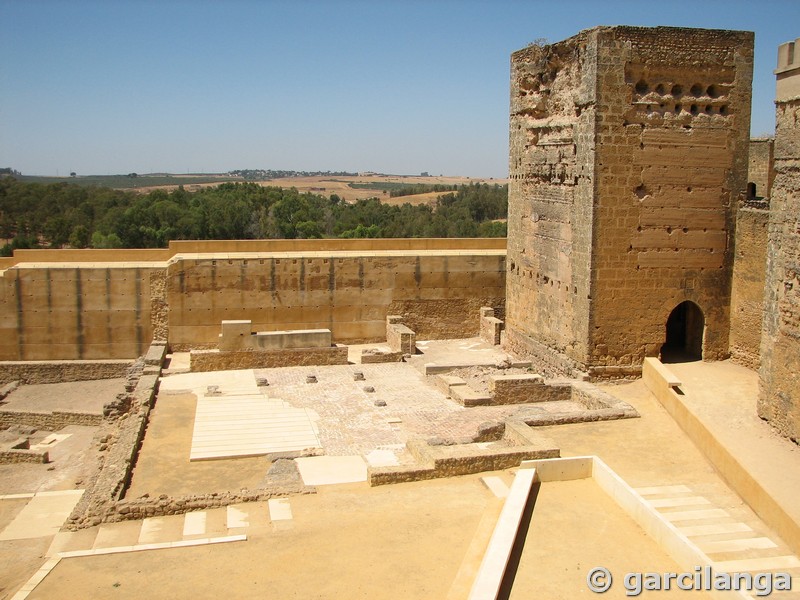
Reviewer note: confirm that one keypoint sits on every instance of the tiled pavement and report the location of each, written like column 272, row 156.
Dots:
column 350, row 423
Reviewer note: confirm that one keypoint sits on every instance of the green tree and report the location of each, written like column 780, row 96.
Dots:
column 80, row 236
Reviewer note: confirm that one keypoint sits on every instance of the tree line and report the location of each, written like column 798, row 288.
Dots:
column 65, row 215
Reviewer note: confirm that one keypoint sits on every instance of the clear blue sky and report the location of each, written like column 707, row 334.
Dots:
column 397, row 87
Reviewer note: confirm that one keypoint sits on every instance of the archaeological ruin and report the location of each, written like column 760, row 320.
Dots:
column 650, row 281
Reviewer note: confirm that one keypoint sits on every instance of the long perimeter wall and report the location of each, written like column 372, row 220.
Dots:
column 99, row 304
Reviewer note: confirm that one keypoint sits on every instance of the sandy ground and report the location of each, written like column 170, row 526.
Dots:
column 346, row 542
column 74, row 396
column 71, row 462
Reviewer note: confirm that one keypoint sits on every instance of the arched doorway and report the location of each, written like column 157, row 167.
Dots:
column 684, row 334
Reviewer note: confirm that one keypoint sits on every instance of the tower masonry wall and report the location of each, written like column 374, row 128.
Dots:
column 761, row 167
column 779, row 400
column 628, row 155
column 747, row 292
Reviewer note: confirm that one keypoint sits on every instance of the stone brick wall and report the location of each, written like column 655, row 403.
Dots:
column 627, row 156
column 438, row 293
column 760, row 167
column 370, row 356
column 50, row 421
column 10, row 457
column 747, row 292
column 31, row 372
column 779, row 399
column 522, row 389
column 97, row 304
column 109, row 484
column 491, row 326
column 217, row 360
column 552, row 149
column 400, row 338
column 51, row 311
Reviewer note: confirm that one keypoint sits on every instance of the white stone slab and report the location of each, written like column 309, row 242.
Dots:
column 328, row 470
column 228, row 381
column 249, row 425
column 692, row 515
column 490, row 573
column 117, row 535
column 150, row 533
column 194, row 523
column 496, row 485
column 771, row 563
column 685, row 501
column 382, row 458
column 280, row 509
column 757, row 543
column 50, row 441
column 236, row 517
column 714, row 529
column 662, row 489
column 43, row 515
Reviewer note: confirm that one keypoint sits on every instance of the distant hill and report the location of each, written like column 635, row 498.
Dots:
column 132, row 180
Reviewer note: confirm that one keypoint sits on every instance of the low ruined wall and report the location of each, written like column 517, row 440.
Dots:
column 146, row 507
column 463, row 459
column 33, row 372
column 747, row 293
column 368, row 357
column 110, row 483
column 521, row 389
column 218, row 360
column 10, row 457
column 49, row 421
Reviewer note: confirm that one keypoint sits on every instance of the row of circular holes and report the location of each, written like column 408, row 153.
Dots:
column 642, row 87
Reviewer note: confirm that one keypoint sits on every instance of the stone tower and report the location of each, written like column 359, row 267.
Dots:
column 779, row 400
column 628, row 153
